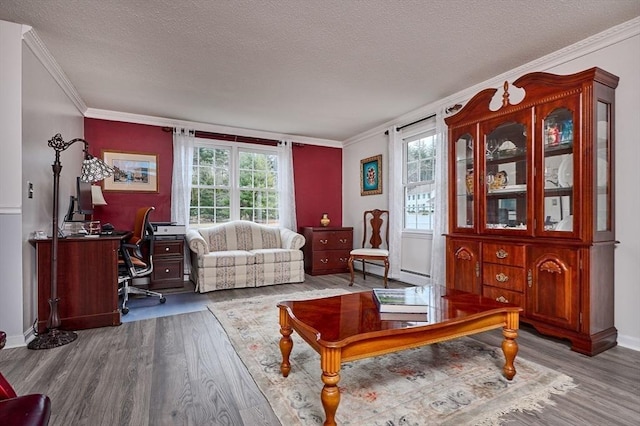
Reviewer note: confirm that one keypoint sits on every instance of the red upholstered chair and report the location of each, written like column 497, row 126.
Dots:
column 27, row 410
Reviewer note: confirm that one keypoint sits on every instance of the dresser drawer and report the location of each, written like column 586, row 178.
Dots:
column 504, row 254
column 331, row 259
column 507, row 277
column 502, row 295
column 332, row 240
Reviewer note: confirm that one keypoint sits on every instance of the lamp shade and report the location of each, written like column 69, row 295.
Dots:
column 94, row 169
column 97, row 199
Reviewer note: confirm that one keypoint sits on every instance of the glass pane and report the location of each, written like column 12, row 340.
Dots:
column 558, row 170
column 603, row 200
column 419, row 202
column 506, row 177
column 464, row 181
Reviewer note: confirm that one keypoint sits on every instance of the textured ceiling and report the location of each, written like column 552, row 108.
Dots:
column 326, row 69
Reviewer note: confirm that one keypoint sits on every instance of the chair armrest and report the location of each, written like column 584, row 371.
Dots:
column 196, row 242
column 291, row 240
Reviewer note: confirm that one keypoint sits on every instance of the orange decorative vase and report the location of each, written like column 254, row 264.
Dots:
column 325, row 220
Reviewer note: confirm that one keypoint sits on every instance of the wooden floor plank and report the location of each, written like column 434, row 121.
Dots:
column 182, row 370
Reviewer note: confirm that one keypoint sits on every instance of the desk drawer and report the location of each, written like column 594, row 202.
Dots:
column 167, row 269
column 163, row 248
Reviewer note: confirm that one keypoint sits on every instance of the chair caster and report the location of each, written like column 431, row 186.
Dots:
column 163, row 299
column 125, row 311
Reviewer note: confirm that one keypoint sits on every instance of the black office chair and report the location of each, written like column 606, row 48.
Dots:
column 136, row 259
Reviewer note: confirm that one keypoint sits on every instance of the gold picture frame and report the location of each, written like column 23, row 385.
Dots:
column 136, row 172
column 371, row 175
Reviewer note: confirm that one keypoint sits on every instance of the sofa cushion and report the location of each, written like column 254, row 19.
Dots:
column 217, row 259
column 276, row 255
column 241, row 235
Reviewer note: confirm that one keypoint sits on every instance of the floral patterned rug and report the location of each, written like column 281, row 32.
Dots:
column 458, row 382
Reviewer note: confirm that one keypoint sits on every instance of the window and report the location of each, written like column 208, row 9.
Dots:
column 419, row 181
column 234, row 181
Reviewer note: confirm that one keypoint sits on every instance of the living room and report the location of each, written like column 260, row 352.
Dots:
column 37, row 107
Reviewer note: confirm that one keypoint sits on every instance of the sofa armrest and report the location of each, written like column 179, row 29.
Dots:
column 197, row 243
column 291, row 240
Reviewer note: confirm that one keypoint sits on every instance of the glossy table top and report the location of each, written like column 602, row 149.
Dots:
column 348, row 317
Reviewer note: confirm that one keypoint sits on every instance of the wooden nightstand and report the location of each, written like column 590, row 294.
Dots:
column 326, row 250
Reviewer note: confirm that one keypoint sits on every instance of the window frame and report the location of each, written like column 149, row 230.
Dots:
column 235, row 148
column 408, row 137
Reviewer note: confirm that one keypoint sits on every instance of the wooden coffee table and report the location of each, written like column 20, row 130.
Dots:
column 348, row 327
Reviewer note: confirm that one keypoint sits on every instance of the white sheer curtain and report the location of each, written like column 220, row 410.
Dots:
column 396, row 207
column 286, row 188
column 441, row 207
column 183, row 143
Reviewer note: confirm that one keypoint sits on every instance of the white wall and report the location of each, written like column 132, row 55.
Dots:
column 43, row 110
column 616, row 51
column 10, row 176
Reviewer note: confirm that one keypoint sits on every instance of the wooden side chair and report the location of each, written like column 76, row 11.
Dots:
column 376, row 229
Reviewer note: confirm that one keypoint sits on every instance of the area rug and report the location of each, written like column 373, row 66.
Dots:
column 458, row 382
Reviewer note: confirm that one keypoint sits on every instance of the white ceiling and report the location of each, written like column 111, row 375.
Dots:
column 327, row 69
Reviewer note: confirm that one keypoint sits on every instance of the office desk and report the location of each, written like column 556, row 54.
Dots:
column 87, row 281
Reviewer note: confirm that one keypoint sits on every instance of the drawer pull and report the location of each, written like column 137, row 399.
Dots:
column 167, row 249
column 501, row 254
column 324, row 241
column 343, row 240
column 502, row 299
column 325, row 261
column 167, row 271
column 502, row 278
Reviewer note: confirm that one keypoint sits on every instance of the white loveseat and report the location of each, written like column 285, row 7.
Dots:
column 244, row 254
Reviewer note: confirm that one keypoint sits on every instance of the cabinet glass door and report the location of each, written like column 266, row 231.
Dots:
column 603, row 168
column 558, row 161
column 506, row 174
column 464, row 189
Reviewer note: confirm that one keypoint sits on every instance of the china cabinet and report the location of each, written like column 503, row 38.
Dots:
column 531, row 197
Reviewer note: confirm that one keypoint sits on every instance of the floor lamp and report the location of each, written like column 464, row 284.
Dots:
column 93, row 170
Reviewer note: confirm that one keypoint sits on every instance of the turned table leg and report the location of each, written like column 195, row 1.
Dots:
column 509, row 344
column 286, row 344
column 330, row 395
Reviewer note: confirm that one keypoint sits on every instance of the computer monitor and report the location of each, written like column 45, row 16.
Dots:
column 82, row 203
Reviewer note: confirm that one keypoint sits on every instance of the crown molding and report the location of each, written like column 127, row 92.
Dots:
column 205, row 127
column 35, row 44
column 591, row 44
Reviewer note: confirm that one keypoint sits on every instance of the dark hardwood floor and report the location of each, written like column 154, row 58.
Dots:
column 182, row 370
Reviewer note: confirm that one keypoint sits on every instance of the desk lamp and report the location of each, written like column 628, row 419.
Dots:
column 93, row 170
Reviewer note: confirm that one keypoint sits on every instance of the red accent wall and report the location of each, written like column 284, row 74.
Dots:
column 129, row 137
column 317, row 174
column 318, row 182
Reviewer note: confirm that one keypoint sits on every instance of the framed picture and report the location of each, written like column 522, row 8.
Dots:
column 371, row 175
column 135, row 172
